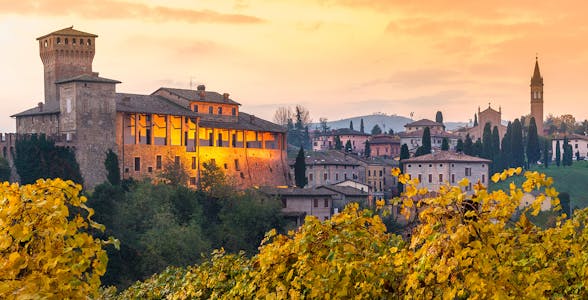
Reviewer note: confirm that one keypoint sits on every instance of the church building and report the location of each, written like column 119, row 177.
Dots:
column 169, row 127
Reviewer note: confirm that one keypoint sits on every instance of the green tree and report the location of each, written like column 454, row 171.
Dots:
column 496, row 157
column 404, row 154
column 112, row 169
column 439, row 117
column 487, row 142
column 361, row 129
column 459, row 146
column 445, row 144
column 506, row 148
column 533, row 148
column 475, row 120
column 546, row 156
column 368, row 149
column 300, row 169
column 478, row 148
column 426, row 145
column 567, row 153
column 338, row 143
column 376, row 130
column 351, row 124
column 468, row 146
column 37, row 157
column 518, row 150
column 174, row 173
column 557, row 153
column 4, row 170
column 348, row 147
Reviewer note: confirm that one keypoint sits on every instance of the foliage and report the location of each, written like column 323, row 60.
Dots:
column 487, row 146
column 323, row 125
column 557, row 153
column 546, row 154
column 404, row 154
column 459, row 146
column 338, row 143
column 376, row 129
column 445, row 144
column 300, row 169
column 426, row 141
column 112, row 169
column 567, row 153
column 351, row 124
column 475, row 120
column 533, row 148
column 361, row 129
column 517, row 149
column 4, row 170
column 506, row 148
column 478, row 148
column 468, row 146
column 47, row 251
column 439, row 117
column 37, row 157
column 463, row 246
column 213, row 180
column 368, row 149
column 348, row 147
column 282, row 116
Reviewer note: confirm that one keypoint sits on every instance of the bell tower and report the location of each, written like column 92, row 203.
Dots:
column 537, row 97
column 65, row 53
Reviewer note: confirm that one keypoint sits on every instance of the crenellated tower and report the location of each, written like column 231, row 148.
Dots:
column 65, row 53
column 537, row 97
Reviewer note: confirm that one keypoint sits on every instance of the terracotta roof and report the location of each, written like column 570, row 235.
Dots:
column 330, row 157
column 247, row 122
column 295, row 191
column 423, row 122
column 446, row 156
column 434, row 133
column 88, row 78
column 194, row 95
column 48, row 109
column 345, row 190
column 69, row 31
column 384, row 139
column 149, row 104
column 347, row 131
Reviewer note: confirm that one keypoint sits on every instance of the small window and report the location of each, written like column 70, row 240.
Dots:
column 73, row 41
column 58, row 40
column 325, row 176
column 89, row 42
column 284, row 202
column 195, row 107
column 158, row 162
column 440, row 178
column 310, row 177
column 237, row 167
column 315, row 203
column 137, row 164
column 226, row 166
column 210, row 109
column 126, row 170
column 192, row 180
column 420, row 178
column 149, row 169
column 233, row 111
column 430, row 178
column 326, row 203
column 81, row 42
column 220, row 110
column 66, row 41
column 45, row 44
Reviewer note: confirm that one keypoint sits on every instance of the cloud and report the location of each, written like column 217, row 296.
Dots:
column 112, row 9
column 418, row 78
column 309, row 26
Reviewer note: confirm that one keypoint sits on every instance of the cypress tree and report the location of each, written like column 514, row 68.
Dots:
column 533, row 150
column 567, row 153
column 112, row 169
column 506, row 148
column 351, row 124
column 487, row 142
column 348, row 147
column 557, row 153
column 459, row 146
column 426, row 141
column 445, row 144
column 478, row 148
column 404, row 154
column 338, row 143
column 300, row 169
column 496, row 157
column 439, row 117
column 468, row 146
column 361, row 129
column 475, row 120
column 546, row 157
column 368, row 149
column 518, row 151
column 376, row 129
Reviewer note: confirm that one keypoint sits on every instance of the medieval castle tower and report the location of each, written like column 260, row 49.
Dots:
column 537, row 97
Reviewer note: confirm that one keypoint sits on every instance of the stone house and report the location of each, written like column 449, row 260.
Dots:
column 298, row 203
column 186, row 127
column 343, row 195
column 414, row 139
column 422, row 124
column 330, row 167
column 385, row 145
column 447, row 167
column 326, row 141
column 578, row 142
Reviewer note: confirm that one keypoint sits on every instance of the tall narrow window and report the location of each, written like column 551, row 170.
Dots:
column 137, row 164
column 210, row 109
column 315, row 202
column 430, row 178
column 158, row 162
column 193, row 162
column 237, row 167
column 220, row 110
column 440, row 178
column 234, row 111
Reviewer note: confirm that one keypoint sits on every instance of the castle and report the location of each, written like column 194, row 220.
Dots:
column 84, row 112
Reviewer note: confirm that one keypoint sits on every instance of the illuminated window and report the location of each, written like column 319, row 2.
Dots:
column 195, row 107
column 220, row 110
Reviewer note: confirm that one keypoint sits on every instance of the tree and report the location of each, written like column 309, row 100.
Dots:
column 338, row 143
column 404, row 154
column 475, row 120
column 546, row 156
column 174, row 173
column 439, row 117
column 459, row 146
column 487, row 146
column 300, row 169
column 46, row 251
column 478, row 148
column 468, row 146
column 302, row 117
column 351, row 124
column 323, row 125
column 368, row 149
column 426, row 141
column 4, row 170
column 567, row 153
column 506, row 148
column 213, row 181
column 445, row 144
column 533, row 148
column 518, row 151
column 37, row 157
column 282, row 116
column 112, row 169
column 348, row 147
column 496, row 157
column 376, row 130
column 557, row 153
column 361, row 129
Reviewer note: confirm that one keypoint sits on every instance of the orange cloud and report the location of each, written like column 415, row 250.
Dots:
column 112, row 9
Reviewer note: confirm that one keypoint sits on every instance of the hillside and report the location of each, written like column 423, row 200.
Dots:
column 569, row 179
column 386, row 122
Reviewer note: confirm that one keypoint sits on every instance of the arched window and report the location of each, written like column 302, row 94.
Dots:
column 89, row 42
column 73, row 41
column 46, row 44
column 81, row 42
column 58, row 40
column 66, row 41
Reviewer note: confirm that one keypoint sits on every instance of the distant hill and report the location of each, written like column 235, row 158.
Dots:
column 386, row 122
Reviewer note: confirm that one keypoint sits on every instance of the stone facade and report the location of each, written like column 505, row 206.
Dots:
column 84, row 112
column 298, row 203
column 414, row 139
column 422, row 124
column 537, row 98
column 488, row 115
column 384, row 145
column 357, row 139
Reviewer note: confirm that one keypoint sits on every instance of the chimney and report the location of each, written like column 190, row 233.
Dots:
column 40, row 104
column 201, row 94
column 201, row 87
column 226, row 96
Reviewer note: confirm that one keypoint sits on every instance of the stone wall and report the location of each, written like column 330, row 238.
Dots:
column 452, row 173
column 47, row 124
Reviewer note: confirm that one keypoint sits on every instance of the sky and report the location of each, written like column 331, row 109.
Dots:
column 338, row 58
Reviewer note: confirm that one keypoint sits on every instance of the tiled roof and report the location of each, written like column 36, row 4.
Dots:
column 52, row 108
column 294, row 191
column 149, row 104
column 247, row 122
column 446, row 156
column 88, row 78
column 194, row 95
column 434, row 133
column 330, row 157
column 70, row 32
column 423, row 122
column 347, row 131
column 345, row 190
column 384, row 139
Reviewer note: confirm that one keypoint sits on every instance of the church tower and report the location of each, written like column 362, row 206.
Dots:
column 537, row 97
column 65, row 53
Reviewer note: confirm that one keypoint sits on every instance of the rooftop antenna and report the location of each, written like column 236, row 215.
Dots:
column 411, row 114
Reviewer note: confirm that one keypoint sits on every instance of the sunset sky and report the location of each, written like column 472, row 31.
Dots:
column 339, row 58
